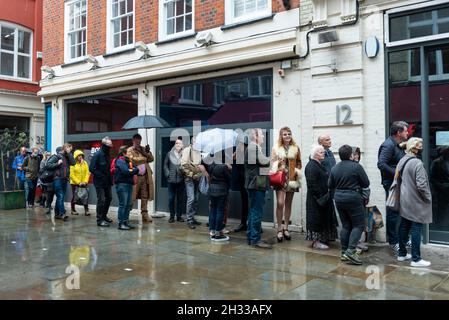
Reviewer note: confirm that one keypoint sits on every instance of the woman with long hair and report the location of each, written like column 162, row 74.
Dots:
column 286, row 157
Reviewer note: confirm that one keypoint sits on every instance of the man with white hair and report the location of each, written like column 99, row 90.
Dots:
column 329, row 159
column 100, row 168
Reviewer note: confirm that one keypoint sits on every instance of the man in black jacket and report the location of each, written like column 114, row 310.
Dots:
column 388, row 157
column 100, row 167
column 346, row 182
column 61, row 163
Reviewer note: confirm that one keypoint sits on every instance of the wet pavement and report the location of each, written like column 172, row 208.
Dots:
column 41, row 258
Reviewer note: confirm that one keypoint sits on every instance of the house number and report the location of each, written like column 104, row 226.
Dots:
column 345, row 111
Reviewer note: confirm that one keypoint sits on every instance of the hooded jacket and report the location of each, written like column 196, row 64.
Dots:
column 63, row 169
column 79, row 173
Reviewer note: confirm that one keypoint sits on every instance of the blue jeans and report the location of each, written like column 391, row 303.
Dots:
column 415, row 229
column 125, row 201
column 256, row 203
column 31, row 183
column 176, row 198
column 216, row 213
column 60, row 187
column 192, row 198
column 393, row 220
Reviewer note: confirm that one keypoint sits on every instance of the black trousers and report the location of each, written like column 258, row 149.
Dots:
column 104, row 197
column 352, row 216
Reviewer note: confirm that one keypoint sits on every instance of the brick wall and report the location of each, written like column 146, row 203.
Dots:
column 53, row 33
column 96, row 27
column 208, row 14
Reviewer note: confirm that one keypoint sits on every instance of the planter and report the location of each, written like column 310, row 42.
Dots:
column 12, row 200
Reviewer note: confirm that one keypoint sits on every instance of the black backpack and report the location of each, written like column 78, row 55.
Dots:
column 47, row 175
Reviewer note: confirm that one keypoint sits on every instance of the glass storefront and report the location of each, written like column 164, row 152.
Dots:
column 414, row 93
column 235, row 102
column 90, row 119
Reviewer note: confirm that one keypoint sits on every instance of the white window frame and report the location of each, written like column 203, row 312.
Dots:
column 190, row 101
column 424, row 5
column 16, row 52
column 67, row 57
column 163, row 23
column 230, row 14
column 110, row 29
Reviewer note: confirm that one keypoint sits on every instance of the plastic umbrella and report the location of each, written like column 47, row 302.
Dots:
column 146, row 122
column 215, row 140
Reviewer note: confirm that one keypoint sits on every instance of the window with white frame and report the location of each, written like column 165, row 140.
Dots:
column 76, row 29
column 176, row 18
column 15, row 51
column 243, row 10
column 121, row 23
column 191, row 94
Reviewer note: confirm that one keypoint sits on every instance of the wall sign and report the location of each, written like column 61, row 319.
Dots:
column 372, row 47
column 345, row 111
column 442, row 138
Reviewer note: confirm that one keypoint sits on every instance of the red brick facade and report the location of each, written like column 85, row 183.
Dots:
column 208, row 14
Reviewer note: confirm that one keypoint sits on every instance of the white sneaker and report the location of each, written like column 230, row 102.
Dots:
column 406, row 257
column 420, row 263
column 320, row 246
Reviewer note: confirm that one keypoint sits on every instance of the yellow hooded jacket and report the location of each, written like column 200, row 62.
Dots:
column 79, row 173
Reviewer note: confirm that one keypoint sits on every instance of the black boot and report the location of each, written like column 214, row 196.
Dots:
column 129, row 225
column 241, row 227
column 123, row 226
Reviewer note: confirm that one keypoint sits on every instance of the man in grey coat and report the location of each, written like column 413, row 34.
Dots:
column 415, row 202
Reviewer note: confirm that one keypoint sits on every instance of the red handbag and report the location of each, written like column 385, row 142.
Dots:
column 278, row 179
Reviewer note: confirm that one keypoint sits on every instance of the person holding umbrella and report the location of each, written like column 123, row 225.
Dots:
column 144, row 189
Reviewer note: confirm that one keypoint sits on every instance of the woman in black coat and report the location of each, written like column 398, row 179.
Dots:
column 321, row 225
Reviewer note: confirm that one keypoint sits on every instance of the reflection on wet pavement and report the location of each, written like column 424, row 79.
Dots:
column 45, row 259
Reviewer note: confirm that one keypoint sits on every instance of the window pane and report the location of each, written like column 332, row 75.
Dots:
column 443, row 27
column 130, row 36
column 116, row 25
column 179, row 7
column 124, row 38
column 170, row 26
column 83, row 6
column 254, row 86
column 443, row 13
column 170, row 9
column 180, row 24
column 129, row 6
column 130, row 22
column 239, row 8
column 83, row 21
column 23, row 70
column 7, row 64
column 115, row 9
column 421, row 16
column 72, row 52
column 124, row 23
column 262, row 5
column 445, row 57
column 188, row 6
column 77, row 22
column 415, row 69
column 189, row 22
column 250, row 6
column 8, row 38
column 198, row 93
column 116, row 40
column 24, row 42
column 423, row 31
column 79, row 51
column 266, row 85
column 122, row 7
column 432, row 63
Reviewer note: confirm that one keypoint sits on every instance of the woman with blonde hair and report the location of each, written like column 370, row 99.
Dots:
column 286, row 157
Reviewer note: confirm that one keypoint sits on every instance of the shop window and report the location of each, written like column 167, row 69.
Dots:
column 242, row 10
column 121, row 24
column 15, row 51
column 102, row 114
column 421, row 24
column 176, row 18
column 231, row 100
column 76, row 29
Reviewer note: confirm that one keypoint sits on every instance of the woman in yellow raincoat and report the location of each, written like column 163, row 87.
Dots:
column 79, row 177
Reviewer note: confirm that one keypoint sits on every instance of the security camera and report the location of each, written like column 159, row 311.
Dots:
column 203, row 39
column 49, row 70
column 91, row 59
column 141, row 46
column 145, row 91
column 281, row 73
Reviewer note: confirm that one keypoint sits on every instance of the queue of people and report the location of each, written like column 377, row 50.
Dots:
column 333, row 188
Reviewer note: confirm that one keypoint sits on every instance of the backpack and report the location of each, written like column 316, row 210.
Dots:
column 47, row 175
column 113, row 169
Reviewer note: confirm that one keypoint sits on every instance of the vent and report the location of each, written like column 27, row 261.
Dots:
column 327, row 36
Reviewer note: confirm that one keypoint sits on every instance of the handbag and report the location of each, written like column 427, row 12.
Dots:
column 277, row 179
column 394, row 193
column 203, row 185
column 81, row 196
column 374, row 219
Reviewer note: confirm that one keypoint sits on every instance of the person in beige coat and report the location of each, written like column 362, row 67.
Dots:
column 415, row 205
column 144, row 189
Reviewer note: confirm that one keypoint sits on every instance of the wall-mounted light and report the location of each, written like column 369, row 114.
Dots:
column 141, row 46
column 91, row 59
column 50, row 72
